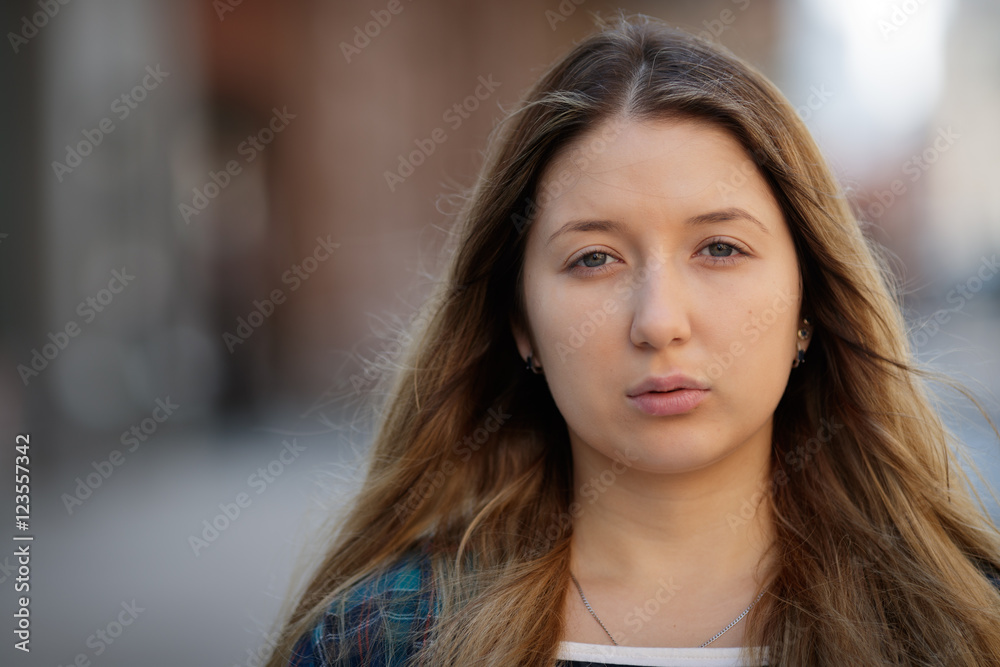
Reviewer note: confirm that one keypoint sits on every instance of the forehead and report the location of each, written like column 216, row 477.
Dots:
column 657, row 166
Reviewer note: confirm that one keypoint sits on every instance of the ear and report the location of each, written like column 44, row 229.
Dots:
column 521, row 338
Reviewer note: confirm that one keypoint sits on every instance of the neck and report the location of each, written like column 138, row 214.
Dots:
column 699, row 525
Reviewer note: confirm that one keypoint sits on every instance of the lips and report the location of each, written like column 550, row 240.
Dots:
column 666, row 384
column 661, row 403
column 672, row 394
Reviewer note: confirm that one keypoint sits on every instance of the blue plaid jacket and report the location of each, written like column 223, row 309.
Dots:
column 383, row 621
column 385, row 618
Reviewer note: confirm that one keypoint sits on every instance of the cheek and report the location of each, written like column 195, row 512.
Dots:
column 756, row 344
column 577, row 339
column 571, row 325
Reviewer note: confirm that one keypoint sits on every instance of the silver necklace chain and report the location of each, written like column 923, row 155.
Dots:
column 590, row 609
column 721, row 632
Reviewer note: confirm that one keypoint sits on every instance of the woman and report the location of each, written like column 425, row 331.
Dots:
column 663, row 408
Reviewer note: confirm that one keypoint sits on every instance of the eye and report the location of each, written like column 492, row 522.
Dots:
column 721, row 251
column 591, row 261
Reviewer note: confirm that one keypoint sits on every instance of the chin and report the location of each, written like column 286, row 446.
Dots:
column 677, row 459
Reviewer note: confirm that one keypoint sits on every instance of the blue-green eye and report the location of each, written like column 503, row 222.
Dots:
column 593, row 256
column 724, row 252
column 721, row 249
column 593, row 261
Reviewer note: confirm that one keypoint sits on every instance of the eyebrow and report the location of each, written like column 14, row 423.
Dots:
column 722, row 215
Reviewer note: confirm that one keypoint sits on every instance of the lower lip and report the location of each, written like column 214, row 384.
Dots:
column 669, row 403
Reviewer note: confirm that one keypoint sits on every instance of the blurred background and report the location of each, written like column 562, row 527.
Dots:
column 216, row 212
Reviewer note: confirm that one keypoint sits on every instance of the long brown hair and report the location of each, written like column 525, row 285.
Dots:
column 880, row 547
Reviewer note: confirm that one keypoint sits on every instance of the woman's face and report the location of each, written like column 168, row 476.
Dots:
column 661, row 252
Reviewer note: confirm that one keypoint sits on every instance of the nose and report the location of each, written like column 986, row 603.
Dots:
column 661, row 307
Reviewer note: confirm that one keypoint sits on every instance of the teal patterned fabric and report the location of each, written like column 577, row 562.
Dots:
column 381, row 621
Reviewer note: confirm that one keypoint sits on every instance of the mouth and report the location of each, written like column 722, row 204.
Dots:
column 670, row 402
column 667, row 385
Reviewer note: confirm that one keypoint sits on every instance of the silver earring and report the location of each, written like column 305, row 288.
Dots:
column 537, row 370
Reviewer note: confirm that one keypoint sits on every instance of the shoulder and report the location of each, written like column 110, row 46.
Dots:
column 381, row 620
